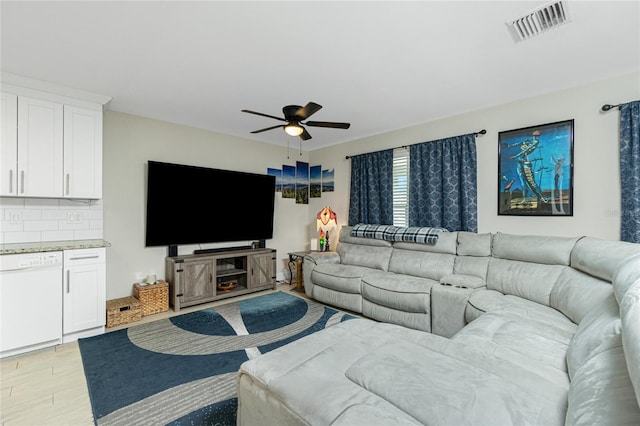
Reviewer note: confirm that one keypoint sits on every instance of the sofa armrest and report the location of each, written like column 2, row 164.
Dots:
column 448, row 304
column 317, row 258
column 309, row 264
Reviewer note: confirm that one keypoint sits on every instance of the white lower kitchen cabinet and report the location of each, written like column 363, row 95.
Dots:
column 84, row 293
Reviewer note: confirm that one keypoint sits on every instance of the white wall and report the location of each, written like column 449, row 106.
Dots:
column 596, row 157
column 131, row 141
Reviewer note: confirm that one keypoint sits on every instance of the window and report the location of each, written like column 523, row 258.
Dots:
column 401, row 187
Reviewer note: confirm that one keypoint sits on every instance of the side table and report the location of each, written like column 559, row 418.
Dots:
column 296, row 259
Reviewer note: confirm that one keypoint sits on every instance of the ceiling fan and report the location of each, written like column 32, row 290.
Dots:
column 294, row 115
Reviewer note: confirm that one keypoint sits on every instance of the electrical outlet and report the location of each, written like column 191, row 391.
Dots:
column 16, row 218
column 74, row 217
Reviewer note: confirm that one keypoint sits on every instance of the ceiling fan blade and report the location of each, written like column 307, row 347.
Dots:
column 268, row 128
column 264, row 115
column 305, row 135
column 331, row 124
column 308, row 110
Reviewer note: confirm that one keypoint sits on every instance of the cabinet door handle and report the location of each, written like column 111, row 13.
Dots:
column 68, row 280
column 67, row 184
column 210, row 278
column 10, row 181
column 22, row 182
column 92, row 256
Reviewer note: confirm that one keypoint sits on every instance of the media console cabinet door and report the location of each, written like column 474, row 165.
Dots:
column 198, row 284
column 262, row 270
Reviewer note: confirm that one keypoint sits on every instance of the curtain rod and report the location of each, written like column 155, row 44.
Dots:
column 607, row 107
column 478, row 133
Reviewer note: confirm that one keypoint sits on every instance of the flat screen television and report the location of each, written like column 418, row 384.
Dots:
column 194, row 205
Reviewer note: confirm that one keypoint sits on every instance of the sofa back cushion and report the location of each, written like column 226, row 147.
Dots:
column 472, row 244
column 597, row 326
column 626, row 275
column 471, row 265
column 369, row 252
column 528, row 265
column 575, row 293
column 601, row 257
column 601, row 391
column 532, row 281
column 421, row 263
column 361, row 255
column 533, row 248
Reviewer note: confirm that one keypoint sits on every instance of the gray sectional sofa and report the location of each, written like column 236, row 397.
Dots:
column 482, row 329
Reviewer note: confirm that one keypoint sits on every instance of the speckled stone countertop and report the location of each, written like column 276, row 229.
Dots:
column 38, row 247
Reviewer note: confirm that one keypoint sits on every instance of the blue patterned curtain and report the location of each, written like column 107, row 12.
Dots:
column 630, row 171
column 371, row 199
column 443, row 184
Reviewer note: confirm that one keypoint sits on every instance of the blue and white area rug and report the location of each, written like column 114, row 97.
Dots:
column 182, row 370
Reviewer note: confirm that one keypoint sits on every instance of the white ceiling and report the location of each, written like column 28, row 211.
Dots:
column 380, row 65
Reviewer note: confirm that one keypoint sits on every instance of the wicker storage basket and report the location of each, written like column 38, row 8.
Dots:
column 123, row 311
column 154, row 298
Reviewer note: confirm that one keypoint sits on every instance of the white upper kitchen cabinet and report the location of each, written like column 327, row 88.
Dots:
column 40, row 148
column 51, row 140
column 82, row 153
column 32, row 147
column 8, row 144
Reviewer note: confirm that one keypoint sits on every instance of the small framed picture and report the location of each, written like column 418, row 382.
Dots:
column 535, row 170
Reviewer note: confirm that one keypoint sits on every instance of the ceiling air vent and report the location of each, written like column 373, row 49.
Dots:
column 538, row 21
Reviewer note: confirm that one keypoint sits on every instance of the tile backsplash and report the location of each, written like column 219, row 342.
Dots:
column 26, row 220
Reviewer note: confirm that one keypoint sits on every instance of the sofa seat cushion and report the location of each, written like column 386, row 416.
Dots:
column 482, row 301
column 520, row 336
column 306, row 378
column 601, row 392
column 363, row 372
column 437, row 389
column 630, row 316
column 522, row 369
column 344, row 278
column 402, row 292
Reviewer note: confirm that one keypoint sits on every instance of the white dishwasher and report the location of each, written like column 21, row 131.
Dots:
column 30, row 301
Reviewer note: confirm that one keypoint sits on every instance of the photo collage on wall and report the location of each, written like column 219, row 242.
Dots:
column 302, row 182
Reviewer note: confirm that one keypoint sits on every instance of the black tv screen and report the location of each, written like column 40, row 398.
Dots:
column 192, row 205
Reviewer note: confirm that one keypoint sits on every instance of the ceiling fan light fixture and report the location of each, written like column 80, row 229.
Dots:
column 293, row 129
column 293, row 115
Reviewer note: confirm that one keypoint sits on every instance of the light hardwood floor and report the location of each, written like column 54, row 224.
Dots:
column 48, row 387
